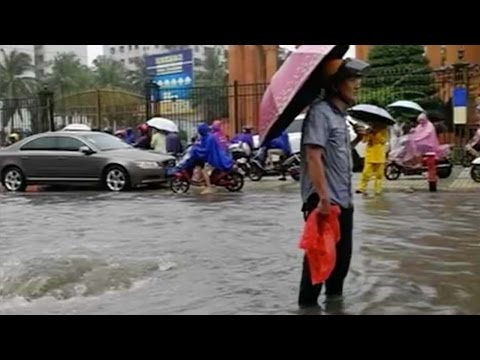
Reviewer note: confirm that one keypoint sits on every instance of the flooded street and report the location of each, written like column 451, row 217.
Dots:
column 156, row 253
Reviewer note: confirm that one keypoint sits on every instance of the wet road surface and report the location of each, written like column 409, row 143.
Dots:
column 156, row 253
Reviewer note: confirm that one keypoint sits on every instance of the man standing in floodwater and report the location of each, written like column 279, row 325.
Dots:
column 326, row 171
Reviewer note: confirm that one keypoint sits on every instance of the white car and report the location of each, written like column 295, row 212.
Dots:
column 294, row 132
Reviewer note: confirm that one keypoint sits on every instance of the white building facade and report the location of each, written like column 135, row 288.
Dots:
column 45, row 54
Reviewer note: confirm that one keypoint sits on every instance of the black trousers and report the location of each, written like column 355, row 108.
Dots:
column 309, row 294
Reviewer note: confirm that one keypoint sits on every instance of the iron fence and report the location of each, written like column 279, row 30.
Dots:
column 236, row 105
column 26, row 116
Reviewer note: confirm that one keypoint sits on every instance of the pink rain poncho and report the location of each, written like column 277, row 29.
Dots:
column 423, row 139
column 219, row 135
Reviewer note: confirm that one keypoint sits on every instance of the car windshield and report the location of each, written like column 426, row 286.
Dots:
column 106, row 142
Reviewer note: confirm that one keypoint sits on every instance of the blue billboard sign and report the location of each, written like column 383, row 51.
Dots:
column 460, row 97
column 173, row 73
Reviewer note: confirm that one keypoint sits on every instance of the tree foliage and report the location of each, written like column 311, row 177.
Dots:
column 210, row 95
column 398, row 72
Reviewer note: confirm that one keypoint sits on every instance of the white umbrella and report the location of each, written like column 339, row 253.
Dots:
column 77, row 127
column 406, row 104
column 371, row 113
column 163, row 124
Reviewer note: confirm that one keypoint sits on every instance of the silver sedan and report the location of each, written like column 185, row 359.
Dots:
column 80, row 158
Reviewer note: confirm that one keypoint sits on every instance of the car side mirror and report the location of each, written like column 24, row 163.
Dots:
column 86, row 150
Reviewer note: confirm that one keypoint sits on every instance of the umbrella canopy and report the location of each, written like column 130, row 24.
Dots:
column 163, row 124
column 371, row 113
column 295, row 85
column 406, row 105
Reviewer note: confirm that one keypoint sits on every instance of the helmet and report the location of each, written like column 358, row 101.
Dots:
column 143, row 128
column 14, row 137
column 247, row 129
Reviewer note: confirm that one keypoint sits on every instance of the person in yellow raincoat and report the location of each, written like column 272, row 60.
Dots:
column 375, row 158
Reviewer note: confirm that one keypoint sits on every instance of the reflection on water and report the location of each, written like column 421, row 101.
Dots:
column 229, row 254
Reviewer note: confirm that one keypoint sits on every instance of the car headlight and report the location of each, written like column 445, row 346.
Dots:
column 147, row 164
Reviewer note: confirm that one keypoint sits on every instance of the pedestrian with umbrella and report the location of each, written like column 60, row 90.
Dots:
column 376, row 139
column 326, row 170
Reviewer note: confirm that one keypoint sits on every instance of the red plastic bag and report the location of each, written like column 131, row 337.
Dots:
column 319, row 240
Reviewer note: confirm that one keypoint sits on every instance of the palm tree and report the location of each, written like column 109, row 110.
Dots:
column 214, row 72
column 15, row 83
column 14, row 79
column 212, row 94
column 69, row 75
column 110, row 73
column 138, row 77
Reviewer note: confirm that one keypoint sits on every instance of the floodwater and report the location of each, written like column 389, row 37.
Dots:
column 156, row 253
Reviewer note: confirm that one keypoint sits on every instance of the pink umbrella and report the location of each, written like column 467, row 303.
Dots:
column 295, row 85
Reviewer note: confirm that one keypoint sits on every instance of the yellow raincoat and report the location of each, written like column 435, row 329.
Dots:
column 375, row 159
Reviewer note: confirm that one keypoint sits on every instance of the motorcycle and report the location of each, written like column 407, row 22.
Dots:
column 475, row 172
column 395, row 167
column 240, row 153
column 276, row 165
column 471, row 153
column 232, row 180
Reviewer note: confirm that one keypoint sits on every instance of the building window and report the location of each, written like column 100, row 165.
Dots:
column 197, row 48
column 136, row 47
column 197, row 62
column 112, row 50
column 130, row 47
column 157, row 46
column 122, row 61
column 122, row 49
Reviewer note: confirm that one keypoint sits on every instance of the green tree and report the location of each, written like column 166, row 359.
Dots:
column 15, row 83
column 138, row 77
column 398, row 72
column 14, row 79
column 211, row 94
column 110, row 73
column 69, row 75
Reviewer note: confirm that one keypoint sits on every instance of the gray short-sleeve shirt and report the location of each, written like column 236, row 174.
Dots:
column 326, row 126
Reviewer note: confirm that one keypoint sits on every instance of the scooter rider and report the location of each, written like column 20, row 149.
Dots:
column 473, row 146
column 281, row 143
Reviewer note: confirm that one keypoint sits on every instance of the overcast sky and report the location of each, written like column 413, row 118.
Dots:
column 95, row 50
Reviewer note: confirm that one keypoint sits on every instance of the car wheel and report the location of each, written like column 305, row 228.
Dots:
column 116, row 179
column 13, row 179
